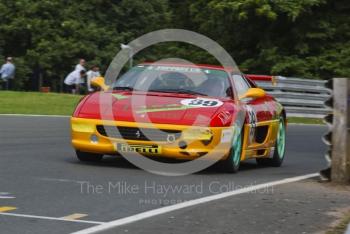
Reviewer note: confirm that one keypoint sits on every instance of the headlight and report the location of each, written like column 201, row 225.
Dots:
column 198, row 134
column 82, row 127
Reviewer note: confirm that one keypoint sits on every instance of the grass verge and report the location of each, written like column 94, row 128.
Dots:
column 305, row 120
column 37, row 103
column 341, row 227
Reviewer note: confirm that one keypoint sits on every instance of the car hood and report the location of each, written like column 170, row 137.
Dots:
column 161, row 108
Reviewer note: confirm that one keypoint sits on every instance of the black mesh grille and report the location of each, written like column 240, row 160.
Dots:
column 141, row 134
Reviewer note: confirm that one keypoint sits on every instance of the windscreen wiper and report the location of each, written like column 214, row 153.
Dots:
column 192, row 92
column 178, row 91
column 123, row 88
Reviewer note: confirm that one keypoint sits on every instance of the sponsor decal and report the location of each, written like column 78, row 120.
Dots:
column 201, row 102
column 146, row 149
column 174, row 69
column 252, row 122
column 224, row 116
column 158, row 108
column 185, row 104
column 226, row 135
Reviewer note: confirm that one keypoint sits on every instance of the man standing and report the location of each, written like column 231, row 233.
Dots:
column 7, row 72
column 72, row 81
column 81, row 67
column 94, row 72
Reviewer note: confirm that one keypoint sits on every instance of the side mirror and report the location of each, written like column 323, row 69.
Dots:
column 253, row 93
column 100, row 83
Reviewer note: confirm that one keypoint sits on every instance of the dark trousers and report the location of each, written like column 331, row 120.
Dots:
column 7, row 84
column 69, row 88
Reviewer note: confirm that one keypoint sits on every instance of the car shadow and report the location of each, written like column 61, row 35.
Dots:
column 120, row 162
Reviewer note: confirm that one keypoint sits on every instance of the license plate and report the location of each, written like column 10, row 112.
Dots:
column 143, row 149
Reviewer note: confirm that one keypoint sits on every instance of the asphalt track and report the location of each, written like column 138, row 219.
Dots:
column 44, row 189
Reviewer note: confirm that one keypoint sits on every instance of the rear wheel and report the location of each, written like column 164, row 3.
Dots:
column 88, row 157
column 280, row 146
column 233, row 161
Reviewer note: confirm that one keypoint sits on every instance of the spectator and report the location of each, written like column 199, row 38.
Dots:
column 72, row 81
column 91, row 74
column 7, row 72
column 81, row 65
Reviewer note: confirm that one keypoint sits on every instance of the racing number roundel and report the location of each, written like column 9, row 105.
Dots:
column 201, row 102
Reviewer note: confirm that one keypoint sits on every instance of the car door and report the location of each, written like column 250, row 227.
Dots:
column 256, row 112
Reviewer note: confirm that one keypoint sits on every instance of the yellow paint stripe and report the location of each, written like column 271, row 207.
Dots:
column 6, row 208
column 74, row 216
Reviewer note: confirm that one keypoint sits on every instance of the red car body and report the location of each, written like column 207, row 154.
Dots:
column 264, row 118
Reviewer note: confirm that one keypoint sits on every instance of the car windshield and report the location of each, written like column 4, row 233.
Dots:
column 175, row 79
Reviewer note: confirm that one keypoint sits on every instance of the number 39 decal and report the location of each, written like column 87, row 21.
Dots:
column 201, row 102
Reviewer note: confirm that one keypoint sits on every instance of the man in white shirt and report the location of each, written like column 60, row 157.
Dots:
column 81, row 65
column 91, row 74
column 72, row 81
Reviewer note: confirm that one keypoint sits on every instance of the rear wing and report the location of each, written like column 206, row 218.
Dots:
column 263, row 78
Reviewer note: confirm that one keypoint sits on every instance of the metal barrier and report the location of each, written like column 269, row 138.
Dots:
column 300, row 97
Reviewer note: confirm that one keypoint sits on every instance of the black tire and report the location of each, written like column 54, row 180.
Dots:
column 88, row 157
column 279, row 152
column 233, row 161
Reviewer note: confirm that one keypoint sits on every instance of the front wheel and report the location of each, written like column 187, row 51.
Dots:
column 88, row 157
column 233, row 161
column 280, row 147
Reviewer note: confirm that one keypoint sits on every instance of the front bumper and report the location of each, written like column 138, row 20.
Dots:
column 87, row 138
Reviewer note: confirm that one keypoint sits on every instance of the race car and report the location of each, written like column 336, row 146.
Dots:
column 183, row 112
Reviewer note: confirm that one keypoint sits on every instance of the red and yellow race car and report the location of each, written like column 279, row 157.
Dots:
column 183, row 112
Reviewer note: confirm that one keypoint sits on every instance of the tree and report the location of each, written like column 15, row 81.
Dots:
column 305, row 38
column 53, row 34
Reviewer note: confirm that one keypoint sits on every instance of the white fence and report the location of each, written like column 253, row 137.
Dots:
column 300, row 97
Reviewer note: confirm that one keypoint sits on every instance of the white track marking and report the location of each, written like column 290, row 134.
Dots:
column 50, row 218
column 6, row 195
column 74, row 216
column 29, row 115
column 61, row 180
column 167, row 209
column 348, row 230
column 303, row 124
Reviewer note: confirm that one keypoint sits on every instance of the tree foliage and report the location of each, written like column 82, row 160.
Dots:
column 305, row 38
column 51, row 35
